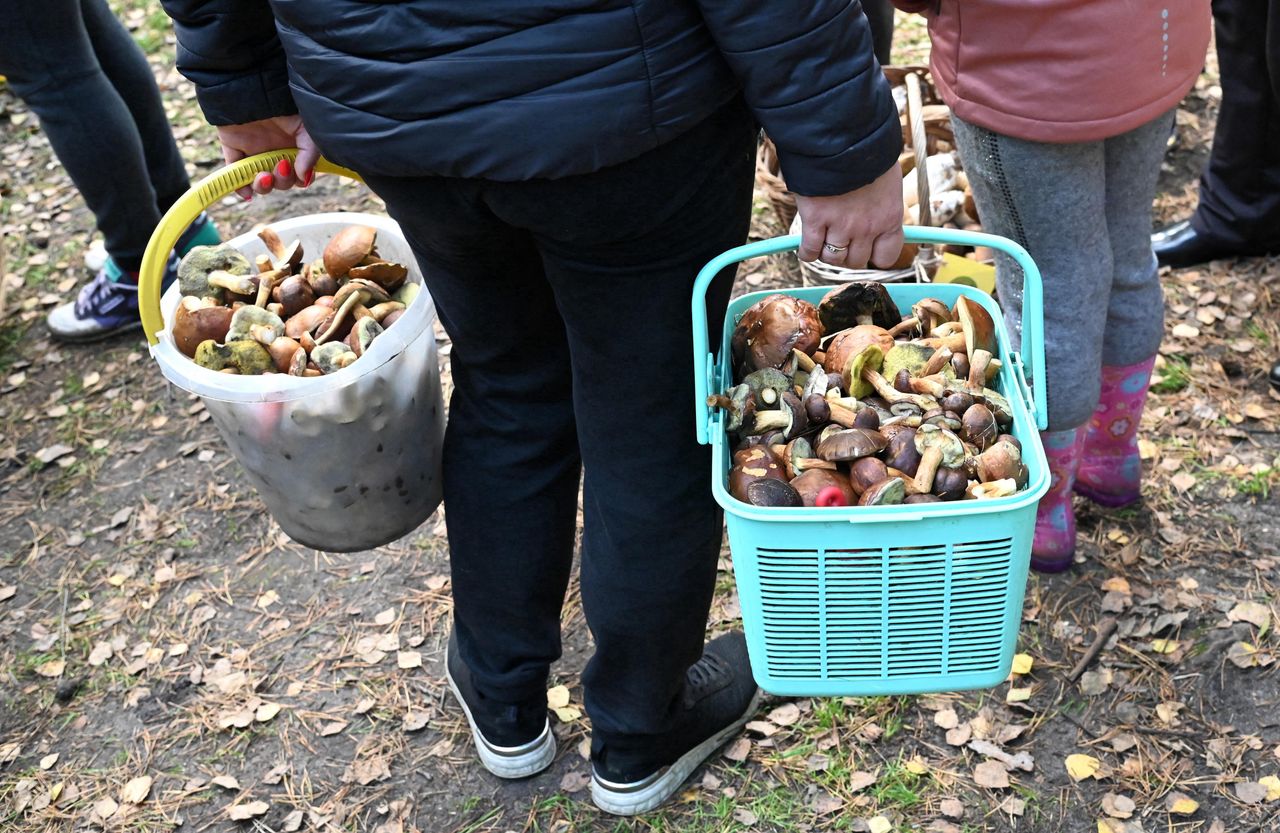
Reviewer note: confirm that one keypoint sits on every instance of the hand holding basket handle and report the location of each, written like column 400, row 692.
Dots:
column 203, row 194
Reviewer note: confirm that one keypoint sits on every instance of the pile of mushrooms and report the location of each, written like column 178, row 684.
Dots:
column 281, row 315
column 850, row 402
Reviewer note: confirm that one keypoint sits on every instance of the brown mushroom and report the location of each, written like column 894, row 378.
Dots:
column 992, row 489
column 859, row 302
column 850, row 444
column 937, row 447
column 979, row 329
column 196, row 321
column 891, row 490
column 798, row 457
column 979, row 426
column 866, row 471
column 348, row 248
column 790, row 418
column 901, row 452
column 387, row 275
column 284, row 352
column 999, row 462
column 811, row 483
column 950, row 483
column 770, row 492
column 756, row 464
column 847, row 344
column 293, row 294
column 771, row 328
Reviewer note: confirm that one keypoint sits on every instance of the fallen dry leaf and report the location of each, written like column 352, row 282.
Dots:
column 1080, row 767
column 105, row 808
column 1250, row 792
column 136, row 791
column 1180, row 804
column 1164, row 646
column 1255, row 613
column 227, row 782
column 951, row 808
column 859, row 780
column 879, row 824
column 385, row 617
column 738, row 750
column 415, row 721
column 332, row 728
column 991, row 774
column 574, row 781
column 557, row 697
column 1022, row 663
column 567, row 714
column 7, row 591
column 49, row 454
column 266, row 711
column 48, row 761
column 946, row 719
column 785, row 715
column 1272, row 783
column 364, row 771
column 1118, row 806
column 244, row 812
column 52, row 668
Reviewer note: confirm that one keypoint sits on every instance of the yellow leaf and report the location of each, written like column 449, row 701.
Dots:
column 1164, row 646
column 917, row 766
column 1180, row 804
column 1109, row 826
column 55, row 791
column 1022, row 663
column 557, row 697
column 52, row 668
column 408, row 659
column 1018, row 695
column 567, row 714
column 879, row 824
column 267, row 599
column 1272, row 784
column 1080, row 767
column 135, row 792
column 1117, row 583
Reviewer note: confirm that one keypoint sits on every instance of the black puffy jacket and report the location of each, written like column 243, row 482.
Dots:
column 518, row 89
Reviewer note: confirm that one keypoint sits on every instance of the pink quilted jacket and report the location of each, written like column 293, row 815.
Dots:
column 1064, row 70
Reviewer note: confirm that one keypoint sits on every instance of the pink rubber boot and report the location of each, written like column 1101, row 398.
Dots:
column 1054, row 547
column 1110, row 467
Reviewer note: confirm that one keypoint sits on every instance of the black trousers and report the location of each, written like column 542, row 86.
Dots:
column 1240, row 187
column 568, row 305
column 79, row 70
column 880, row 15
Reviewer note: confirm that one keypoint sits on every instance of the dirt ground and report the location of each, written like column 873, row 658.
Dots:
column 170, row 660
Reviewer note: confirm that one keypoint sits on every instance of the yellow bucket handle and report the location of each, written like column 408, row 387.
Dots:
column 202, row 195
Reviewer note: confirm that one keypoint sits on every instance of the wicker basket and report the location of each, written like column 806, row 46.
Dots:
column 769, row 182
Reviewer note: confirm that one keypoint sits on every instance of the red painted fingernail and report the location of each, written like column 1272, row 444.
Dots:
column 306, row 180
column 264, row 180
column 282, row 167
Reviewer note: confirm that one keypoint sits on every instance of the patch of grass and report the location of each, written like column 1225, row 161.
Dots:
column 898, row 787
column 1257, row 333
column 1257, row 485
column 1174, row 377
column 11, row 335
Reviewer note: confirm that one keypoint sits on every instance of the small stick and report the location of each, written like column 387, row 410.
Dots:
column 4, row 284
column 1105, row 628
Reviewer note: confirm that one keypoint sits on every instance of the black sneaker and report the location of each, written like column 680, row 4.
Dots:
column 720, row 696
column 513, row 741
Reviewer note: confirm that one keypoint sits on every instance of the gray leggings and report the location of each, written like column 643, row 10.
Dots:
column 1083, row 211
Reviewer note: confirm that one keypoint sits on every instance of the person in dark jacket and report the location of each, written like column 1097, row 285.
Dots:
column 562, row 170
column 1239, row 209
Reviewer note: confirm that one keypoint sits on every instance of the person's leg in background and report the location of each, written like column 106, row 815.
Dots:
column 50, row 52
column 510, row 460
column 622, row 248
column 880, row 15
column 1239, row 208
column 1051, row 199
column 1110, row 467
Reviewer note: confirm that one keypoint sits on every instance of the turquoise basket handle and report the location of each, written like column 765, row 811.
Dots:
column 1031, row 352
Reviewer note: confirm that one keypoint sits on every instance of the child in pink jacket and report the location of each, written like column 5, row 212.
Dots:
column 1061, row 111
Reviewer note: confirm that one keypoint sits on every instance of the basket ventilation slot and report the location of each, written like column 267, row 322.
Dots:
column 884, row 613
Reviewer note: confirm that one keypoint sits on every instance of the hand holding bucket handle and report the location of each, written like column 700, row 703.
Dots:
column 202, row 195
column 1031, row 351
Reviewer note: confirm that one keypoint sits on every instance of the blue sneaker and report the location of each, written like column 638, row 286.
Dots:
column 105, row 307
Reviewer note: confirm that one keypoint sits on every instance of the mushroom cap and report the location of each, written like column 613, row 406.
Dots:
column 332, row 356
column 766, row 377
column 950, row 483
column 770, row 492
column 407, row 292
column 852, row 304
column 347, row 248
column 284, row 353
column 362, row 334
column 911, row 356
column 979, row 328
column 999, row 462
column 888, row 491
column 249, row 316
column 797, row 450
column 369, row 292
column 810, row 483
column 931, row 313
column 306, row 320
column 387, row 275
column 293, row 294
column 846, row 344
column 195, row 266
column 931, row 436
column 247, row 357
column 850, row 444
column 866, row 471
column 755, row 467
column 992, row 489
column 771, row 328
column 193, row 324
column 321, row 282
column 979, row 426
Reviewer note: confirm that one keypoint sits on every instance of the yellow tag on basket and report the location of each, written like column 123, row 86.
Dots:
column 962, row 270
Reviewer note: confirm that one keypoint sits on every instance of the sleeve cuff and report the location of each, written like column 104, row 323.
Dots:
column 846, row 171
column 261, row 95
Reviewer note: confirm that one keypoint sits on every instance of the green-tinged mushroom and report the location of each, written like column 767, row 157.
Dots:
column 407, row 293
column 246, row 357
column 363, row 334
column 250, row 322
column 738, row 403
column 767, row 384
column 332, row 356
column 906, row 355
column 197, row 265
column 853, row 381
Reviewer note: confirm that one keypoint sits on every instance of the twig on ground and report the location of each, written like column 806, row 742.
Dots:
column 1105, row 628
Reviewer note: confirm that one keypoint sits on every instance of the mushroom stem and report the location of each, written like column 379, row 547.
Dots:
column 803, row 360
column 841, row 415
column 904, row 326
column 891, row 394
column 338, row 317
column 929, row 462
column 937, row 361
column 266, row 282
column 239, row 284
column 978, row 370
column 767, row 421
column 953, row 342
column 947, row 328
column 271, row 240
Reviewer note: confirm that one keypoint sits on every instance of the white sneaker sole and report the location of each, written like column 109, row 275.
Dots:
column 646, row 795
column 509, row 762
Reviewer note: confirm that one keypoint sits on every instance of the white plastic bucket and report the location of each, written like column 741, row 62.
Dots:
column 346, row 461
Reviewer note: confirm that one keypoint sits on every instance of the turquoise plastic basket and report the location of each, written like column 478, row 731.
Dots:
column 889, row 599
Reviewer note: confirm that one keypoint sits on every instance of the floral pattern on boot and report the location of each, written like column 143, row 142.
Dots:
column 1110, row 465
column 1054, row 547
